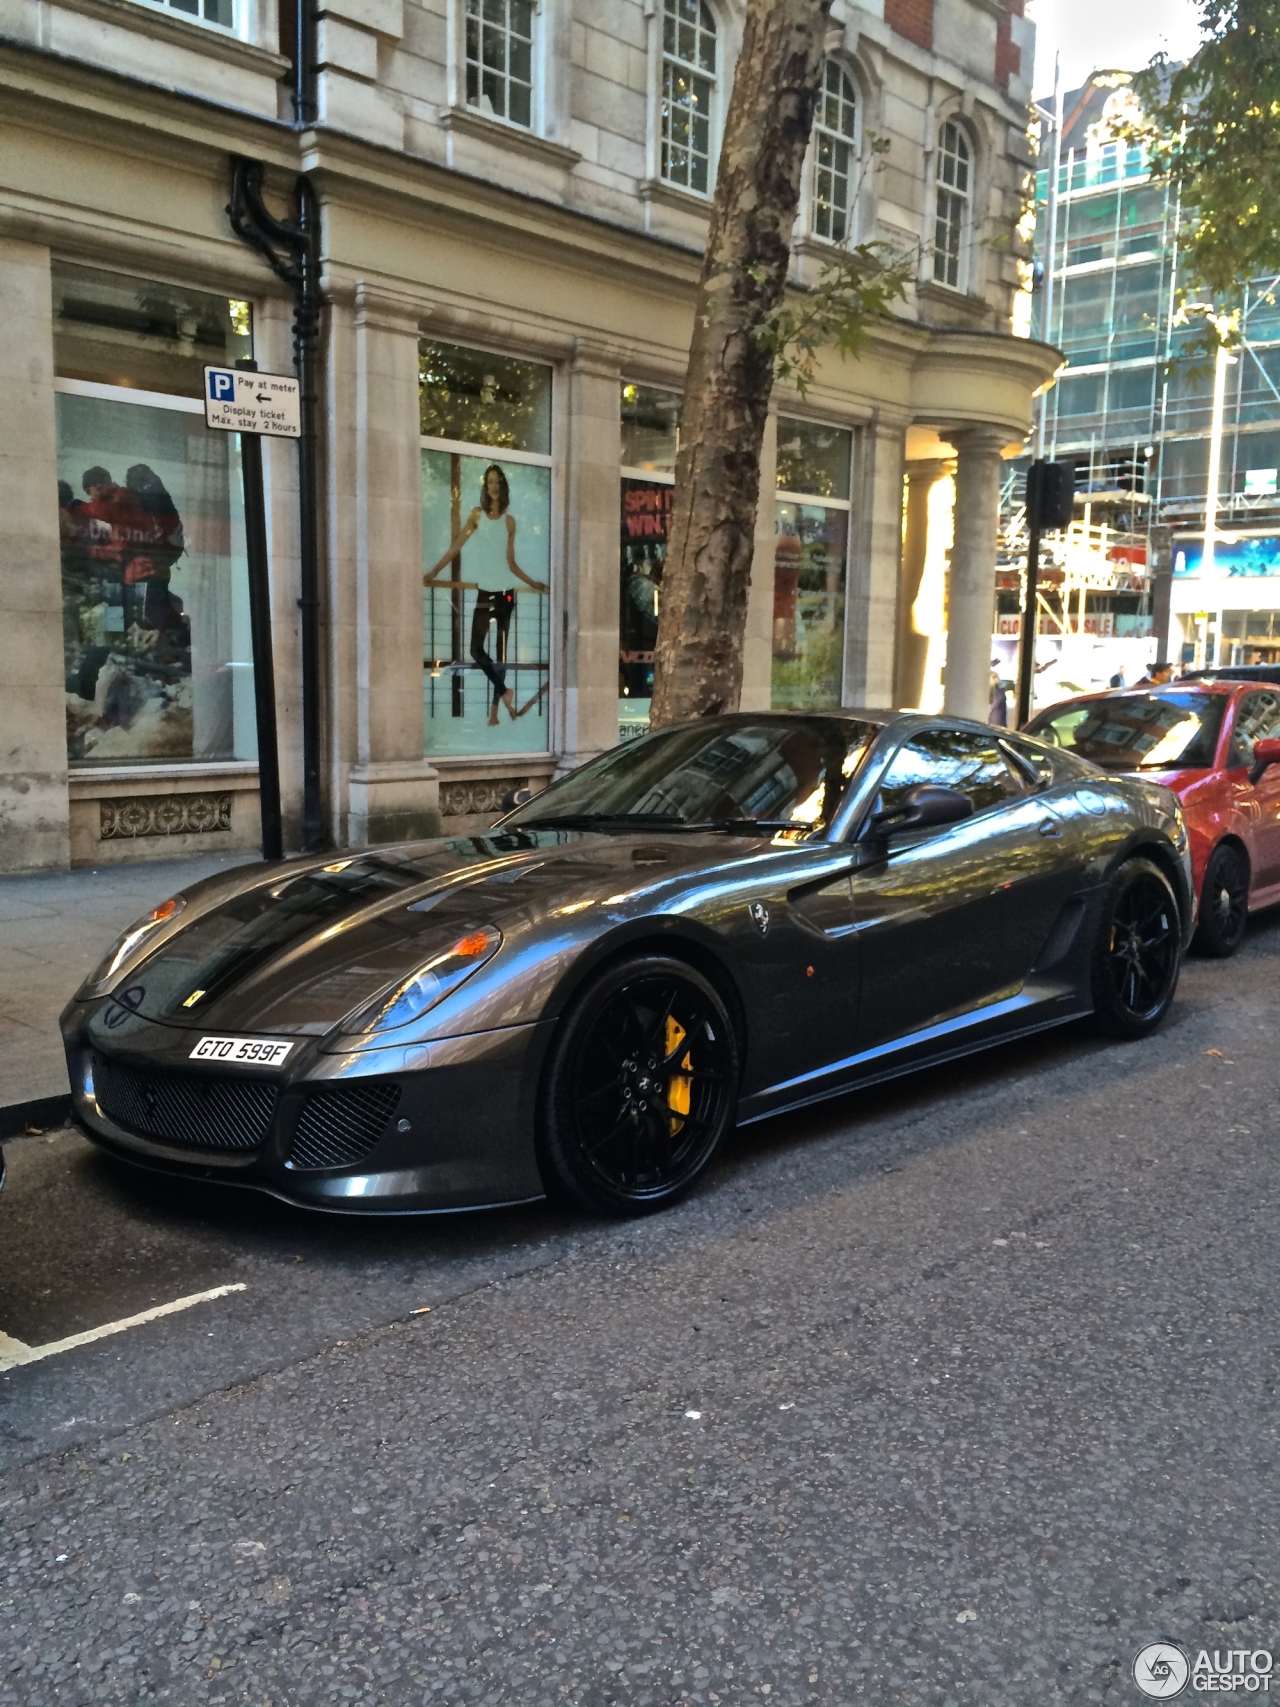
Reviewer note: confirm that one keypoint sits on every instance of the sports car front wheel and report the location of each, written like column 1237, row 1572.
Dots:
column 1138, row 952
column 641, row 1087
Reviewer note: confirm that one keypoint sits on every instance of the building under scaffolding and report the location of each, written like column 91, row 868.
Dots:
column 1176, row 546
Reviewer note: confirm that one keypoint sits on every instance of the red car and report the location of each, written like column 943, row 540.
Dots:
column 1217, row 746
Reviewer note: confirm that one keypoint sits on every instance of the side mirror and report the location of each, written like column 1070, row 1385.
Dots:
column 517, row 797
column 924, row 807
column 1264, row 753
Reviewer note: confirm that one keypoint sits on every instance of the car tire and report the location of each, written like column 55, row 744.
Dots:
column 641, row 1087
column 1138, row 951
column 1224, row 905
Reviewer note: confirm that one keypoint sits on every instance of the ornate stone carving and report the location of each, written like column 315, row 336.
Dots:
column 163, row 815
column 482, row 794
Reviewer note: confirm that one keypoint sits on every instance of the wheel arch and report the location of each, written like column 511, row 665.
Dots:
column 1166, row 859
column 671, row 937
column 1237, row 845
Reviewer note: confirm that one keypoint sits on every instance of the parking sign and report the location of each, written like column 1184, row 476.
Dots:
column 237, row 400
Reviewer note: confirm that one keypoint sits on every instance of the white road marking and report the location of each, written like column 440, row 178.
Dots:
column 14, row 1352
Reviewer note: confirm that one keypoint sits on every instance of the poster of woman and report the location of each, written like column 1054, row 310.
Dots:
column 485, row 599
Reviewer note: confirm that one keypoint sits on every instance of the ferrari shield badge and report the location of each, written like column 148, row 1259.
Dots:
column 760, row 915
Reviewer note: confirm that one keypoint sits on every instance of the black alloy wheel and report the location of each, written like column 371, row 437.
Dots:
column 1138, row 953
column 642, row 1084
column 1224, row 905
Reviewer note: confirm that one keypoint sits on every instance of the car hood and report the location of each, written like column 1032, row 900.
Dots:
column 297, row 947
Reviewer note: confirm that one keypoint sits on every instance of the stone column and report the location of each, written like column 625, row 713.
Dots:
column 875, row 556
column 913, row 647
column 757, row 647
column 971, row 588
column 586, row 597
column 393, row 789
column 34, row 826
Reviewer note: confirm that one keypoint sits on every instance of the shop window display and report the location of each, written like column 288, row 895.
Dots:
column 486, row 504
column 650, row 439
column 811, row 531
column 157, row 653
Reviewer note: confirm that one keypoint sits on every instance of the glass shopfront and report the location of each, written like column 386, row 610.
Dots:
column 157, row 652
column 811, row 548
column 486, row 512
column 650, row 439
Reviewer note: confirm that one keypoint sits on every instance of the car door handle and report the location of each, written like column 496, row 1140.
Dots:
column 1050, row 827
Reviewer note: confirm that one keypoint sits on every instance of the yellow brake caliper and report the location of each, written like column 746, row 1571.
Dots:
column 679, row 1085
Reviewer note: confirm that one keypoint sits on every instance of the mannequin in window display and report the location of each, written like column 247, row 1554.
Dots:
column 489, row 534
column 132, row 675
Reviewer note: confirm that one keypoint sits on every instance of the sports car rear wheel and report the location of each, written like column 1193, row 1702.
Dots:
column 1224, row 905
column 641, row 1088
column 1137, row 956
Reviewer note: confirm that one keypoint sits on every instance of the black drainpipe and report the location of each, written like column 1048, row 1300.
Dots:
column 291, row 248
column 305, row 110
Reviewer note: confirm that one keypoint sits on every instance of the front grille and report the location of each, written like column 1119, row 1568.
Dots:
column 188, row 1110
column 340, row 1124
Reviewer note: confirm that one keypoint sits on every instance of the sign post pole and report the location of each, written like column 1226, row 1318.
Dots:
column 1050, row 497
column 240, row 400
column 264, row 676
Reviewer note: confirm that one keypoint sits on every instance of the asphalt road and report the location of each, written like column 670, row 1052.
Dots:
column 959, row 1392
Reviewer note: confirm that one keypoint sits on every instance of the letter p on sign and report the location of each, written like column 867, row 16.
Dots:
column 222, row 386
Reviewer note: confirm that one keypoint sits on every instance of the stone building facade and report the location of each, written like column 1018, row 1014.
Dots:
column 513, row 195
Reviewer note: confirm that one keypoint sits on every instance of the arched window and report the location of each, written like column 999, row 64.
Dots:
column 954, row 178
column 689, row 68
column 499, row 59
column 835, row 137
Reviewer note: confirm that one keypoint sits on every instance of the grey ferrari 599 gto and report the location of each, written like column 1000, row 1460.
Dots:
column 707, row 925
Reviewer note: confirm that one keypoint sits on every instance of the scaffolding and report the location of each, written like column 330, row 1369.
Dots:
column 1134, row 408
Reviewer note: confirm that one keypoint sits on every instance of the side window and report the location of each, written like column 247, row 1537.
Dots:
column 951, row 758
column 1033, row 766
column 1257, row 719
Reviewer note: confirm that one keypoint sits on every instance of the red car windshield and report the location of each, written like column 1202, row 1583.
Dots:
column 1169, row 731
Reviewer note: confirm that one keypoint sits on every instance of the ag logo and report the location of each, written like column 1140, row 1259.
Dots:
column 1161, row 1671
column 760, row 914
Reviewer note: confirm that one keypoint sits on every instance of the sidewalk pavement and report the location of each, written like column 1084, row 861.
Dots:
column 54, row 928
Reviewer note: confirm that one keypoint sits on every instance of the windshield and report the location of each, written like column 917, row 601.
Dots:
column 743, row 772
column 1138, row 731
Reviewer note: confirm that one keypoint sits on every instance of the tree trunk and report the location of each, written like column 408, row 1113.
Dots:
column 726, row 399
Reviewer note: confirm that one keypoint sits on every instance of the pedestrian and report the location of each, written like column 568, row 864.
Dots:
column 1159, row 675
column 998, row 702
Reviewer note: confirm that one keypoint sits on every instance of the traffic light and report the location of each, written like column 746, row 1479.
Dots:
column 1050, row 494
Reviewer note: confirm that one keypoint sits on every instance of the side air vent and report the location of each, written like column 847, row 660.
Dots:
column 190, row 1111
column 340, row 1124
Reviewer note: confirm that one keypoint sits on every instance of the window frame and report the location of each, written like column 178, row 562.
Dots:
column 175, row 403
column 537, row 80
column 815, row 500
column 715, row 105
column 841, row 64
column 240, row 29
column 966, row 198
column 552, row 460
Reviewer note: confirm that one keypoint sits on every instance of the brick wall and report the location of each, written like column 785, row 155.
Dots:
column 912, row 19
column 1008, row 57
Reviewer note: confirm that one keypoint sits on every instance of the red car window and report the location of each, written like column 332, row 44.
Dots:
column 1138, row 731
column 1257, row 719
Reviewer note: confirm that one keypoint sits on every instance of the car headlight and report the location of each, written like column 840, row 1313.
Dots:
column 430, row 984
column 126, row 946
column 1178, row 835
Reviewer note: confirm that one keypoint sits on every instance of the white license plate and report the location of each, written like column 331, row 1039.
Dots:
column 258, row 1051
